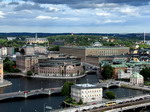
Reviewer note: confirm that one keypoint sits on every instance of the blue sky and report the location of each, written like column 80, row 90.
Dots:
column 78, row 16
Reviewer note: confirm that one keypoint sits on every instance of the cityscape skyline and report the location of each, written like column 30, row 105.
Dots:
column 63, row 16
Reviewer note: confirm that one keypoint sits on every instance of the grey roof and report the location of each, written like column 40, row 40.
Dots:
column 85, row 86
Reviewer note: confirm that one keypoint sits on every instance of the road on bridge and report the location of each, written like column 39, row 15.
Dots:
column 119, row 105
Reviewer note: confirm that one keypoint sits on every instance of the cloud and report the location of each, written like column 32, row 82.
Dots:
column 114, row 21
column 91, row 3
column 130, row 11
column 28, row 6
column 46, row 17
column 105, row 14
column 13, row 3
column 2, row 14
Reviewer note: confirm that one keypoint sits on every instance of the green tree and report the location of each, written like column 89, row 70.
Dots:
column 8, row 66
column 54, row 48
column 110, row 95
column 107, row 72
column 145, row 72
column 66, row 90
column 29, row 73
column 22, row 51
column 80, row 102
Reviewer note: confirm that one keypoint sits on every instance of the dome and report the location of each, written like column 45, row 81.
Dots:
column 136, row 75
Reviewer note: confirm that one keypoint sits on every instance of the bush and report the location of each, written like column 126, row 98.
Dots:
column 29, row 73
column 110, row 95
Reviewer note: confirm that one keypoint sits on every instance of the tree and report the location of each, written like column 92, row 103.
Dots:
column 110, row 95
column 145, row 72
column 22, row 51
column 80, row 102
column 107, row 72
column 29, row 73
column 54, row 48
column 66, row 90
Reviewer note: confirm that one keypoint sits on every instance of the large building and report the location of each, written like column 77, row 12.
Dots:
column 82, row 52
column 36, row 40
column 52, row 67
column 26, row 63
column 86, row 93
column 34, row 49
column 58, row 67
column 137, row 79
column 1, row 71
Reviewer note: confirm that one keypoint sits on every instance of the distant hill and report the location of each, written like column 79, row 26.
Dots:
column 120, row 35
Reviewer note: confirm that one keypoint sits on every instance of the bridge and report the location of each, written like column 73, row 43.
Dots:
column 26, row 94
column 109, row 84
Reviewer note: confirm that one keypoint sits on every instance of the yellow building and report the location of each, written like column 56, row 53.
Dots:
column 36, row 40
column 1, row 71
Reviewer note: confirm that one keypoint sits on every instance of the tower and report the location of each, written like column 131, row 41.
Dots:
column 36, row 36
column 144, row 37
column 1, row 71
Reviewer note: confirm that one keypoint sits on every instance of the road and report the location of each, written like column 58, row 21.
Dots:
column 119, row 105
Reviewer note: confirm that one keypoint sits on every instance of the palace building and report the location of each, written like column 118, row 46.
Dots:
column 82, row 52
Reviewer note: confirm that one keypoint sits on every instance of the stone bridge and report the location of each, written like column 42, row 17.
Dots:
column 26, row 94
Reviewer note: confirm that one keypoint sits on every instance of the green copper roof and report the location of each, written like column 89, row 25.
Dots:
column 136, row 75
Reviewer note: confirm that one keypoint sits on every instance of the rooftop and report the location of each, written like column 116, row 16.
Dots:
column 85, row 86
column 92, row 47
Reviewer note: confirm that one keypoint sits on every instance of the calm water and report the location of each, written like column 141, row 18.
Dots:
column 37, row 104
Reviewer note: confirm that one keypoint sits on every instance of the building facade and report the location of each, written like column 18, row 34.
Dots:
column 36, row 40
column 58, row 67
column 26, row 63
column 82, row 52
column 125, row 74
column 3, row 51
column 137, row 79
column 1, row 71
column 86, row 93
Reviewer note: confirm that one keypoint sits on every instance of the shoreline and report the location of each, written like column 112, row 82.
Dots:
column 5, row 83
column 44, row 77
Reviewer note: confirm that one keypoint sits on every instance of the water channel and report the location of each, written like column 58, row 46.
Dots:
column 37, row 104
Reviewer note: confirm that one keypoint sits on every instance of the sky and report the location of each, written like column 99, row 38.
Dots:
column 75, row 16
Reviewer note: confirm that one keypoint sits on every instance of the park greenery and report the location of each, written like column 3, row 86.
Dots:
column 107, row 72
column 110, row 95
column 71, row 101
column 78, row 40
column 10, row 66
column 145, row 72
column 54, row 48
column 14, row 43
column 29, row 73
column 66, row 90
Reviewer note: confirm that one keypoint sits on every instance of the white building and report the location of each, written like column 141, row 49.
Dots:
column 3, row 51
column 137, row 79
column 11, row 38
column 86, row 92
column 96, row 44
column 125, row 75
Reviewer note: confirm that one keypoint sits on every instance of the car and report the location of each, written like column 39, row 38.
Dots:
column 26, row 91
column 93, row 103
